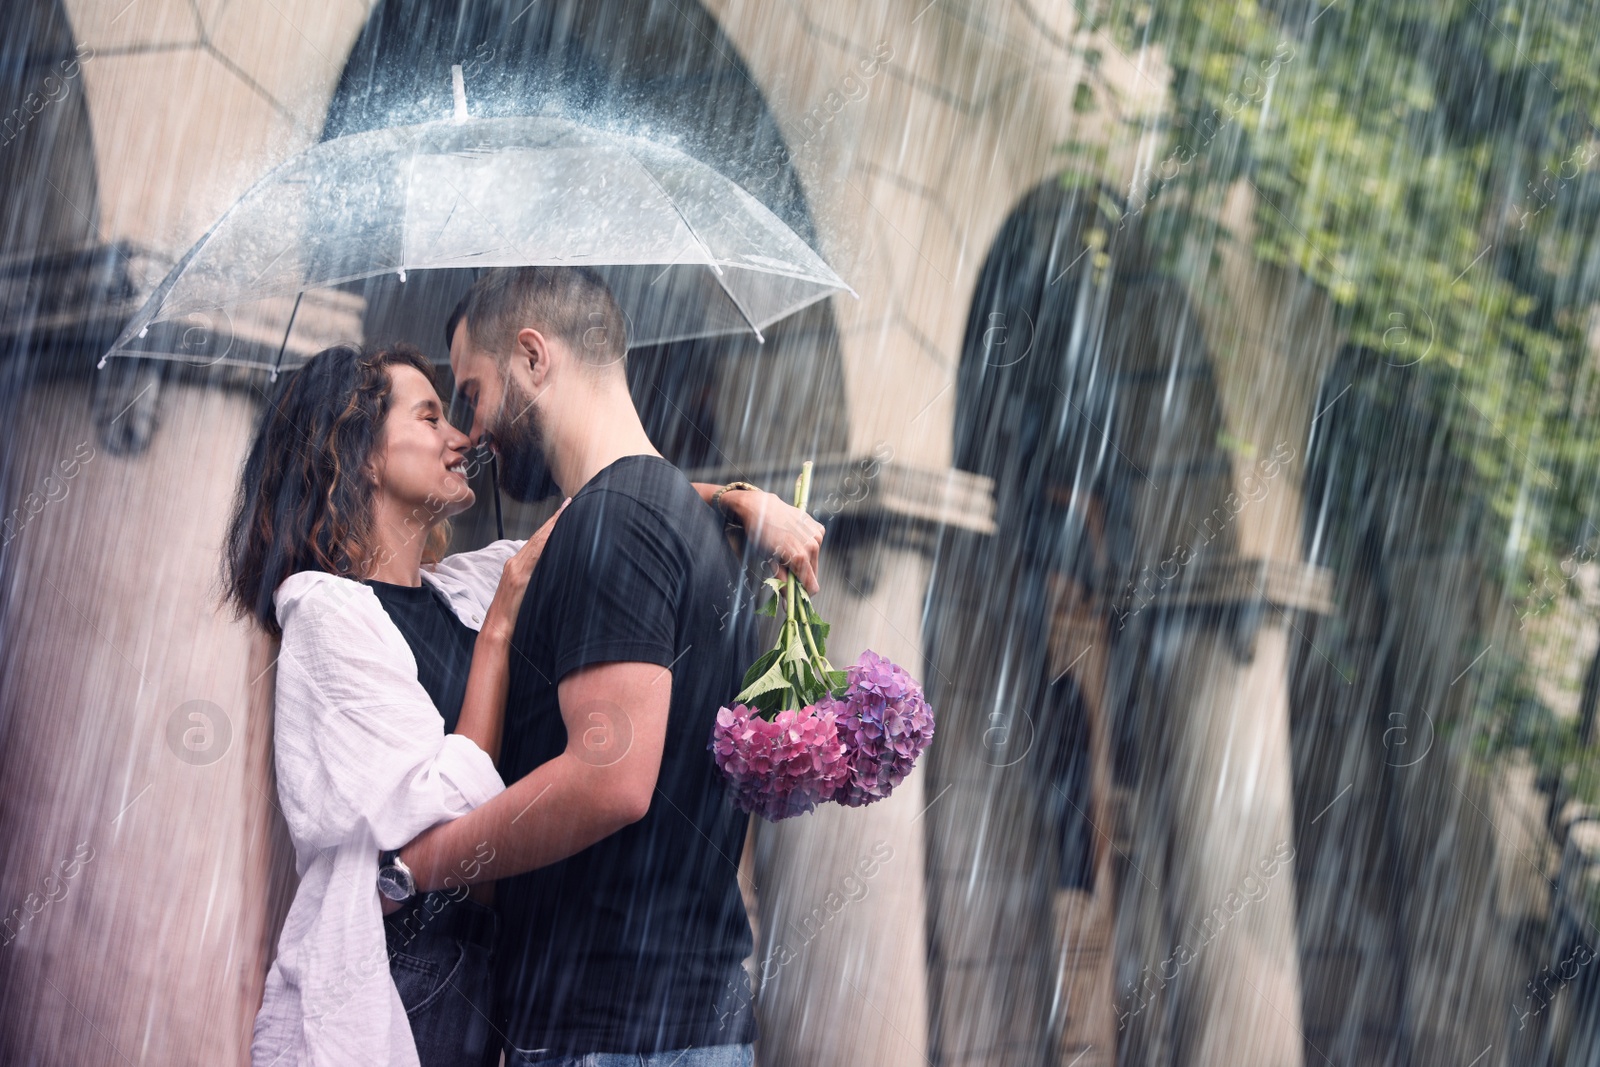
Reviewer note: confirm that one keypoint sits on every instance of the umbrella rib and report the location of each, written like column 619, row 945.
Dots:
column 754, row 328
column 711, row 257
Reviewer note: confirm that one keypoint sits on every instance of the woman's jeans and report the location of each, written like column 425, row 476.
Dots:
column 441, row 957
column 711, row 1056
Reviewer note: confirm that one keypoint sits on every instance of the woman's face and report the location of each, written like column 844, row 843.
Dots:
column 420, row 457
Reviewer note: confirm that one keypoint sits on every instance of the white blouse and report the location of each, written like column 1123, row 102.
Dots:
column 363, row 765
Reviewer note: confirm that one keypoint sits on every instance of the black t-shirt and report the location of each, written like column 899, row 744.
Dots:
column 634, row 944
column 441, row 643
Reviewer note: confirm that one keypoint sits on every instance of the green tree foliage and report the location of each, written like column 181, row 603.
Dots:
column 1434, row 166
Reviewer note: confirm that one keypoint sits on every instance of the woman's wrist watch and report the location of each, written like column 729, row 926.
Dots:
column 732, row 487
column 395, row 879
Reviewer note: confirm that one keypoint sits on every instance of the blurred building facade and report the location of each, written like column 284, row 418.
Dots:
column 1159, row 824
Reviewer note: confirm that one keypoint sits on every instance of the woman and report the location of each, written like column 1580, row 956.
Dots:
column 391, row 688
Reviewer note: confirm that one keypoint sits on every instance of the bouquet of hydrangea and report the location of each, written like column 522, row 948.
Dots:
column 801, row 733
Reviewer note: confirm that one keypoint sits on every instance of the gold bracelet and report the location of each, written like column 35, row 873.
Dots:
column 731, row 486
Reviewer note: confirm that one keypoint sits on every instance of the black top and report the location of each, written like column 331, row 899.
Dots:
column 442, row 646
column 441, row 643
column 635, row 943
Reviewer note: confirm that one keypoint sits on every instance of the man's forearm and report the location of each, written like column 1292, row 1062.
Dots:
column 557, row 810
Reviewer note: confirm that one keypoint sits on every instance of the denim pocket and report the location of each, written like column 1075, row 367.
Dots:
column 422, row 975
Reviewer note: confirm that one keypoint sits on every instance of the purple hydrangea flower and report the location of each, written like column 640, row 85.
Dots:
column 884, row 723
column 780, row 767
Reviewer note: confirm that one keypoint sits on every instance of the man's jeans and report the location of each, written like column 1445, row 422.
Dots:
column 711, row 1056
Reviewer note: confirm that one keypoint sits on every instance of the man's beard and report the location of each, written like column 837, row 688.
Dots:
column 524, row 474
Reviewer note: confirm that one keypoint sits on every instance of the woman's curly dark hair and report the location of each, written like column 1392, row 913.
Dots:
column 302, row 502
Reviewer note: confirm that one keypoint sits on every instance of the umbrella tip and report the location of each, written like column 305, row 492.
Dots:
column 102, row 364
column 458, row 88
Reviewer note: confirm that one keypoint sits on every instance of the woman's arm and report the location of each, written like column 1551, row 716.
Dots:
column 784, row 533
column 357, row 742
column 483, row 705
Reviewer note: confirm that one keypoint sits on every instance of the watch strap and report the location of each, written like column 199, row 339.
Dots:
column 716, row 497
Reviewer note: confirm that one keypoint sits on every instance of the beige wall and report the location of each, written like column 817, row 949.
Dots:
column 191, row 103
column 112, row 631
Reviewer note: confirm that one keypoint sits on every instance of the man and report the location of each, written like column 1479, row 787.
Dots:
column 623, row 929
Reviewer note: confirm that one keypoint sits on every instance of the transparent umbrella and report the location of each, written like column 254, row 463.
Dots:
column 687, row 252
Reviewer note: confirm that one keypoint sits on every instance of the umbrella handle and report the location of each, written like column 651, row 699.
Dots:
column 277, row 364
column 499, row 522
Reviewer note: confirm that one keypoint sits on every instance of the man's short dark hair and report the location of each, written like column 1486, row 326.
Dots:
column 572, row 303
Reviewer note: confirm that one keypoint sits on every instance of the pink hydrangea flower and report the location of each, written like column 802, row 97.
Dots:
column 884, row 723
column 781, row 767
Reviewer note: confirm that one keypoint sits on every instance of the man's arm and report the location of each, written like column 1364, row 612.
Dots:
column 784, row 534
column 616, row 719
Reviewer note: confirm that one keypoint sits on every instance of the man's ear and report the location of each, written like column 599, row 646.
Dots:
column 535, row 348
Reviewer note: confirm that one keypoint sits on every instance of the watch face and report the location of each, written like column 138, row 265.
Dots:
column 396, row 883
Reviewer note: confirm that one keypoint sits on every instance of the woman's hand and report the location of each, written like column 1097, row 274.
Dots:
column 788, row 536
column 501, row 619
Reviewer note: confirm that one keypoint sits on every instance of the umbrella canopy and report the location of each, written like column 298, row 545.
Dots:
column 687, row 252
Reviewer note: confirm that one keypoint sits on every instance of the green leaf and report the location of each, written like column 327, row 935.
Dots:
column 761, row 666
column 770, row 680
column 795, row 650
column 818, row 627
column 768, row 703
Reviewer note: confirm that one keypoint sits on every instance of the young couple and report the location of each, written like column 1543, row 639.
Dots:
column 509, row 832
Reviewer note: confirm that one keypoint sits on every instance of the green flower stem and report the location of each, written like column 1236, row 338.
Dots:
column 782, row 682
column 802, row 496
column 819, row 662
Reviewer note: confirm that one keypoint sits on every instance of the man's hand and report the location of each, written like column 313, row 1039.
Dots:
column 789, row 537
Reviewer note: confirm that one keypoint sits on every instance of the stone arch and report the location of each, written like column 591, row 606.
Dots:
column 46, row 137
column 1086, row 392
column 54, row 277
column 1392, row 503
column 660, row 69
